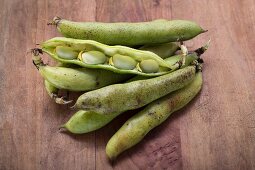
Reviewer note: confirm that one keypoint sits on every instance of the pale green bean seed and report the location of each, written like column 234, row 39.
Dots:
column 123, row 62
column 149, row 66
column 66, row 53
column 93, row 57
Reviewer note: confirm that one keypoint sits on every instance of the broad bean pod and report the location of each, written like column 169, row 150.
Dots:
column 164, row 51
column 119, row 59
column 129, row 34
column 122, row 97
column 136, row 128
column 76, row 79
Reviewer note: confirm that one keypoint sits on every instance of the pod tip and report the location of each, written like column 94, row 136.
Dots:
column 203, row 31
column 111, row 160
column 62, row 128
column 55, row 21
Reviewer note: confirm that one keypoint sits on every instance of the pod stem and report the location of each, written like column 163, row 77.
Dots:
column 202, row 49
column 62, row 128
column 184, row 54
column 60, row 100
column 55, row 21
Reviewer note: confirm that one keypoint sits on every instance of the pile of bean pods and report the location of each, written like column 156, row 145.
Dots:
column 120, row 67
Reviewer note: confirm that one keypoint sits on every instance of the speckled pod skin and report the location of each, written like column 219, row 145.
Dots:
column 129, row 34
column 122, row 97
column 79, row 79
column 135, row 129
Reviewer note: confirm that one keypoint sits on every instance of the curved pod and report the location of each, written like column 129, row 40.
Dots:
column 136, row 128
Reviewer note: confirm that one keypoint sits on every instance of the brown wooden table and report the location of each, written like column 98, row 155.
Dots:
column 215, row 131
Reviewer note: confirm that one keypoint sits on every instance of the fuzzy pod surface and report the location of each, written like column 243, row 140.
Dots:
column 129, row 34
column 136, row 128
column 129, row 96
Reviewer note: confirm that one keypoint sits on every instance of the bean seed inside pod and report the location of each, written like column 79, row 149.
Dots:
column 66, row 53
column 149, row 66
column 93, row 57
column 123, row 62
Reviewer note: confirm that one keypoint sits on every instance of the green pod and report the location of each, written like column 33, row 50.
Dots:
column 129, row 34
column 87, row 121
column 164, row 50
column 85, row 46
column 118, row 98
column 79, row 79
column 136, row 128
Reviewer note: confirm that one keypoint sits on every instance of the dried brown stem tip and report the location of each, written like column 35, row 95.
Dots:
column 201, row 50
column 55, row 21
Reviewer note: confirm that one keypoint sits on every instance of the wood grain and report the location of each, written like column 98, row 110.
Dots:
column 215, row 131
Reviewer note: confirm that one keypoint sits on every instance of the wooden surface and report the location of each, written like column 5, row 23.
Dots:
column 215, row 131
